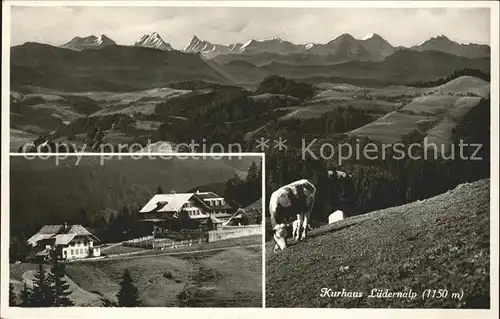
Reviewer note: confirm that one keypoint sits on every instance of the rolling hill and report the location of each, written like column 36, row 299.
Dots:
column 440, row 242
column 434, row 114
column 112, row 68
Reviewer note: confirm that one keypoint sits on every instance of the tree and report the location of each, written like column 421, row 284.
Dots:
column 60, row 287
column 159, row 190
column 128, row 295
column 25, row 296
column 83, row 217
column 43, row 295
column 253, row 173
column 12, row 295
column 18, row 249
column 108, row 303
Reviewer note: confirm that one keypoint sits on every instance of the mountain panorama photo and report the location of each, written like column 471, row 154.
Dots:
column 374, row 125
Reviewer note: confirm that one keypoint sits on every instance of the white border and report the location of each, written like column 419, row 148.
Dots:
column 84, row 312
column 252, row 312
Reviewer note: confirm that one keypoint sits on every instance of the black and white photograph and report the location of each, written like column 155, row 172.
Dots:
column 125, row 232
column 319, row 154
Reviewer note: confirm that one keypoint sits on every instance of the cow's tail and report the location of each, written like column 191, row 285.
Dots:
column 313, row 199
column 272, row 211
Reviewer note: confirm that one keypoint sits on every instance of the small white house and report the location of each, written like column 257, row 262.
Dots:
column 64, row 242
column 335, row 216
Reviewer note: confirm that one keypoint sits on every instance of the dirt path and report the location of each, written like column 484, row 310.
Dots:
column 187, row 252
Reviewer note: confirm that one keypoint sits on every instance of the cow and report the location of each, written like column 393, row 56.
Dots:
column 295, row 200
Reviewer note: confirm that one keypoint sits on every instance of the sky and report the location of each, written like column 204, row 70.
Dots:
column 177, row 25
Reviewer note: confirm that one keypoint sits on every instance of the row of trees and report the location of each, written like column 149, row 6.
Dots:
column 275, row 84
column 458, row 73
column 339, row 120
column 49, row 290
column 244, row 192
column 52, row 290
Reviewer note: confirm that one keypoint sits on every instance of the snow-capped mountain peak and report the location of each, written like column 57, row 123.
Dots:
column 153, row 40
column 90, row 42
column 368, row 36
column 206, row 48
column 309, row 46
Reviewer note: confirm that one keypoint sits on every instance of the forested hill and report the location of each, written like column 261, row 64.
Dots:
column 42, row 192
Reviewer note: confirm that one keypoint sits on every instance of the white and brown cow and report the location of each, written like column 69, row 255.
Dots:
column 295, row 200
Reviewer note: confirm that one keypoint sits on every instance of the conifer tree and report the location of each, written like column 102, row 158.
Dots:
column 60, row 287
column 12, row 295
column 128, row 295
column 42, row 291
column 25, row 296
column 159, row 190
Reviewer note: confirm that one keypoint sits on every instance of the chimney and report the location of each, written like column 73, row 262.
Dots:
column 65, row 226
column 173, row 192
column 197, row 191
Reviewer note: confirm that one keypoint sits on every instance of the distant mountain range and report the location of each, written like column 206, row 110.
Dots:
column 343, row 48
column 443, row 44
column 118, row 68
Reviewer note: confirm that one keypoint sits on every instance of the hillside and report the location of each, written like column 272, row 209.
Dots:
column 440, row 242
column 221, row 274
column 112, row 68
column 435, row 113
column 402, row 67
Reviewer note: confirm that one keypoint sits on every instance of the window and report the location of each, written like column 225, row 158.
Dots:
column 71, row 251
column 65, row 253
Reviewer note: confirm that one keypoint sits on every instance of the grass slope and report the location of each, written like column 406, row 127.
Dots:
column 441, row 242
column 217, row 278
column 434, row 114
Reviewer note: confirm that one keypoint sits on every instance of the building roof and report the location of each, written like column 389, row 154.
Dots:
column 44, row 252
column 253, row 211
column 50, row 229
column 153, row 220
column 207, row 195
column 64, row 239
column 60, row 234
column 166, row 203
column 79, row 230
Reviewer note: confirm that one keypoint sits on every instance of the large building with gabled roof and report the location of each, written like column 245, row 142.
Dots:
column 63, row 242
column 198, row 208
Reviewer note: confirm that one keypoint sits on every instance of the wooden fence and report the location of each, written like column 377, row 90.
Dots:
column 227, row 232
